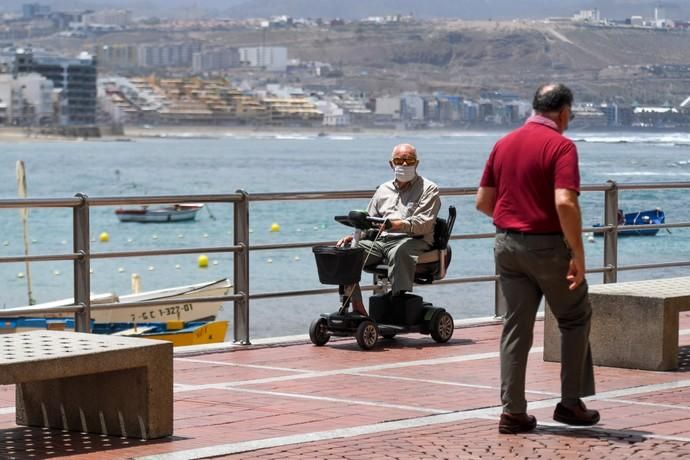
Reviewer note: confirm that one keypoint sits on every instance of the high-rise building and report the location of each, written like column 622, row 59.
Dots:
column 75, row 78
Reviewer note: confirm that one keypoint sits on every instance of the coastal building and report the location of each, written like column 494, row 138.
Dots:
column 34, row 10
column 590, row 15
column 117, row 56
column 74, row 78
column 388, row 107
column 353, row 105
column 657, row 117
column 270, row 58
column 121, row 18
column 167, row 55
column 413, row 107
column 292, row 111
column 446, row 109
column 27, row 99
column 154, row 100
column 215, row 59
column 333, row 115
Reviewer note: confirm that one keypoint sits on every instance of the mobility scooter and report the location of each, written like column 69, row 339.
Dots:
column 388, row 315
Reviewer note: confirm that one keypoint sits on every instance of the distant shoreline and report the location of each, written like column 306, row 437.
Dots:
column 14, row 134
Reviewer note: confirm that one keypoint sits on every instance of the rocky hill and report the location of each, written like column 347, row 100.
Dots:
column 469, row 56
column 610, row 63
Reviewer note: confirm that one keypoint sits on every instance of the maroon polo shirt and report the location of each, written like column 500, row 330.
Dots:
column 525, row 167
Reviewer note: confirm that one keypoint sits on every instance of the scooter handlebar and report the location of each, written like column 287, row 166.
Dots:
column 380, row 220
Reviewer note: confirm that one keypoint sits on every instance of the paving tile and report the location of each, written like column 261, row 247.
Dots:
column 385, row 404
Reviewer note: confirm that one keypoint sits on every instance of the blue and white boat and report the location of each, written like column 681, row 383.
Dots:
column 638, row 219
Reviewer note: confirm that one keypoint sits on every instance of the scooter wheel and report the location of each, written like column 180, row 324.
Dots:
column 441, row 327
column 318, row 332
column 367, row 335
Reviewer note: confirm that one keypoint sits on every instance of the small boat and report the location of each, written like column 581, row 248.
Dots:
column 181, row 305
column 638, row 219
column 158, row 214
column 177, row 332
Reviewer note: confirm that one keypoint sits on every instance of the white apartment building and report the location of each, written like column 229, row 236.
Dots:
column 28, row 98
column 271, row 58
column 218, row 59
column 388, row 106
column 120, row 18
column 167, row 55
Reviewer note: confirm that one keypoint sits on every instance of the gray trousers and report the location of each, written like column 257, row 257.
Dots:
column 400, row 255
column 532, row 267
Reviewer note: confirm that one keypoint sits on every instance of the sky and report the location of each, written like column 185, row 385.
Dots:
column 352, row 9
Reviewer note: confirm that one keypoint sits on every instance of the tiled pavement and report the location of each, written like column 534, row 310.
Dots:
column 409, row 398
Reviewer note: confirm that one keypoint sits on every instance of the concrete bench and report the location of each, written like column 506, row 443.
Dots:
column 118, row 386
column 634, row 324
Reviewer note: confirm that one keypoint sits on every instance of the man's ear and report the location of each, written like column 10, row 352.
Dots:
column 390, row 162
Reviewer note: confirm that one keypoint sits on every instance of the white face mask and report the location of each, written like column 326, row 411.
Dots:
column 405, row 173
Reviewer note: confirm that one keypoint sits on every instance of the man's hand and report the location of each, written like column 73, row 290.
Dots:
column 393, row 226
column 344, row 241
column 576, row 272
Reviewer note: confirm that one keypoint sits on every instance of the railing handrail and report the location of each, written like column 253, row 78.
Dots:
column 82, row 254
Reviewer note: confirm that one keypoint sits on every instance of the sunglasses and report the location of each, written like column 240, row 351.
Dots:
column 404, row 161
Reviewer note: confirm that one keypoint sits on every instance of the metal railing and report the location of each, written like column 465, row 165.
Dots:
column 82, row 255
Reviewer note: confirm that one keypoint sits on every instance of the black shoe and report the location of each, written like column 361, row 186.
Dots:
column 516, row 423
column 575, row 415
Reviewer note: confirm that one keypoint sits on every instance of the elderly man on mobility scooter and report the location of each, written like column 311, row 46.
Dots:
column 400, row 225
column 410, row 204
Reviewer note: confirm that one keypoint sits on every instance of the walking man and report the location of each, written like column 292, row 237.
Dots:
column 530, row 188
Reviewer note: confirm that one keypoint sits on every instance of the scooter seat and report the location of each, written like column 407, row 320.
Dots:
column 432, row 264
column 429, row 257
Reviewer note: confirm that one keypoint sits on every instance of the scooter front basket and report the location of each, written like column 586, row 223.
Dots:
column 339, row 265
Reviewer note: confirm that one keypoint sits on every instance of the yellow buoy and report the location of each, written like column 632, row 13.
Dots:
column 202, row 261
column 104, row 237
column 20, row 275
column 275, row 227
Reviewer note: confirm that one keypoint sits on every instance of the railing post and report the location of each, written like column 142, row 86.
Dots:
column 241, row 269
column 611, row 238
column 82, row 277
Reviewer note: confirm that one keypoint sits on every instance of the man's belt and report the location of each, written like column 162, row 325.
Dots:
column 509, row 231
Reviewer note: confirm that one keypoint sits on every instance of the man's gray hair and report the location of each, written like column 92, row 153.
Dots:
column 552, row 97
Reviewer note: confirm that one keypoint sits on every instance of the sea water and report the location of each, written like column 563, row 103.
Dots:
column 297, row 162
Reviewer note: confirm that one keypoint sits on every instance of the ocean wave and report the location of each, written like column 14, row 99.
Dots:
column 647, row 174
column 678, row 139
column 293, row 137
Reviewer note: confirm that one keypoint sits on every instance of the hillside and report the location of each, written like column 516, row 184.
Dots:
column 615, row 64
column 470, row 56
